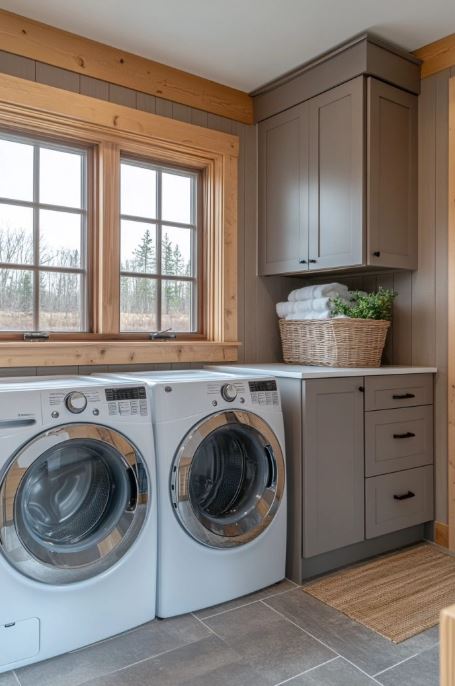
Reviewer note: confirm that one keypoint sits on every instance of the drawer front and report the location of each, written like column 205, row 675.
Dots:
column 398, row 439
column 400, row 390
column 397, row 501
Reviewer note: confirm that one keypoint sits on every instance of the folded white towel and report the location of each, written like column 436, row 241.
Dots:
column 298, row 316
column 327, row 290
column 313, row 305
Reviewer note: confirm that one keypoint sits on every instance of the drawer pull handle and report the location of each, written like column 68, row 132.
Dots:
column 408, row 434
column 403, row 396
column 404, row 496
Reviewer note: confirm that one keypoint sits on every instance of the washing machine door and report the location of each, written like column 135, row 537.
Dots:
column 227, row 479
column 72, row 502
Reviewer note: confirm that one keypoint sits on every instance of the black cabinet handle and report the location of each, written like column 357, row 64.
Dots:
column 362, row 389
column 408, row 434
column 302, row 261
column 312, row 261
column 403, row 396
column 377, row 253
column 404, row 496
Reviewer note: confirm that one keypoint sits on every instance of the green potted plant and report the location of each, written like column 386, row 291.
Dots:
column 377, row 305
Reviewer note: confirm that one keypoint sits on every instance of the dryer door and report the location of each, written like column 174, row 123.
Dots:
column 227, row 479
column 72, row 502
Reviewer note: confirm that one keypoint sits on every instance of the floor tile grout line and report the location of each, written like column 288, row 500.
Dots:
column 311, row 669
column 251, row 602
column 326, row 645
column 16, row 677
column 370, row 676
column 406, row 659
column 201, row 621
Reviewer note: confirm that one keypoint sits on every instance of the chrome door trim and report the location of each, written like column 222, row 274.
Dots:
column 253, row 523
column 60, row 567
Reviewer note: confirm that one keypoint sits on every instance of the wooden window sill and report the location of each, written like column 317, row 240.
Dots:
column 56, row 353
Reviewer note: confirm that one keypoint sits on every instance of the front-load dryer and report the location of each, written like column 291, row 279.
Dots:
column 78, row 530
column 221, row 487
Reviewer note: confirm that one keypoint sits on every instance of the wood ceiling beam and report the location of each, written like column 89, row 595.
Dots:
column 437, row 56
column 44, row 43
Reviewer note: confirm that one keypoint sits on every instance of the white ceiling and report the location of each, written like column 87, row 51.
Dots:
column 242, row 43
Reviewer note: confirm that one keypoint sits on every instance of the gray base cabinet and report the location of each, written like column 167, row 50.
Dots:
column 337, row 181
column 333, row 467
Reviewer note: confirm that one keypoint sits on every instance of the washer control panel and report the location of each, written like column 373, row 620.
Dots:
column 95, row 403
column 264, row 392
column 261, row 392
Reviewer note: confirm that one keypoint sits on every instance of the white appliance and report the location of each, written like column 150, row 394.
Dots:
column 221, row 487
column 78, row 530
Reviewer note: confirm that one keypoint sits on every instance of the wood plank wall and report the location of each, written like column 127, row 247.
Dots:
column 419, row 334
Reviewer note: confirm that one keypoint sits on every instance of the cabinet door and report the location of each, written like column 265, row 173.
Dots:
column 333, row 464
column 336, row 173
column 283, row 192
column 392, row 176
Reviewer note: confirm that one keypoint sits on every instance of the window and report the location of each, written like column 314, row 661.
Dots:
column 159, row 248
column 114, row 223
column 43, row 229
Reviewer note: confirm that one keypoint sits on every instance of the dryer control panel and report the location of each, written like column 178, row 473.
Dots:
column 258, row 392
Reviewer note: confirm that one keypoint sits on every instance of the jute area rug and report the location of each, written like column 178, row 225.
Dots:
column 397, row 595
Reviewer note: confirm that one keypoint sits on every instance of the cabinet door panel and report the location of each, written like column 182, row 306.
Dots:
column 333, row 504
column 283, row 192
column 392, row 176
column 336, row 173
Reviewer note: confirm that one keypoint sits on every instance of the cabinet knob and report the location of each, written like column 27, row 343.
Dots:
column 312, row 261
column 377, row 253
column 302, row 261
column 362, row 389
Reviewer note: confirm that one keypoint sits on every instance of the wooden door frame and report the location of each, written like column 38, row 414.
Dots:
column 451, row 322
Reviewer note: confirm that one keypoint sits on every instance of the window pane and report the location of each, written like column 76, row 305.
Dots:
column 176, row 251
column 138, row 191
column 138, row 304
column 60, row 180
column 60, row 302
column 16, row 300
column 16, row 170
column 16, row 234
column 138, row 253
column 176, row 305
column 176, row 200
column 60, row 238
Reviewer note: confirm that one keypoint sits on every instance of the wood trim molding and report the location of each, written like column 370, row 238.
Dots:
column 114, row 352
column 437, row 56
column 451, row 320
column 110, row 130
column 447, row 651
column 37, row 41
column 441, row 534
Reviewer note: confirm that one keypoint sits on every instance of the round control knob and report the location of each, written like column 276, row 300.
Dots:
column 76, row 402
column 229, row 392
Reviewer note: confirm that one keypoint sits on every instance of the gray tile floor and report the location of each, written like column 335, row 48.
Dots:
column 279, row 635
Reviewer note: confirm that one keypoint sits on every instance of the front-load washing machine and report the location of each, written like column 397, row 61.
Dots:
column 78, row 530
column 219, row 443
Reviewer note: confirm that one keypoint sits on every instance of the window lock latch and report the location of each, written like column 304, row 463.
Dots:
column 165, row 335
column 36, row 336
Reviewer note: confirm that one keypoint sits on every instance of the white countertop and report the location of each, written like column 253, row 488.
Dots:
column 297, row 371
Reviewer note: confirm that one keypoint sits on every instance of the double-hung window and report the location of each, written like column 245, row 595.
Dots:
column 43, row 236
column 160, row 242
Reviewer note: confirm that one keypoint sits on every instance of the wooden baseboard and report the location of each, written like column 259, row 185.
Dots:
column 441, row 534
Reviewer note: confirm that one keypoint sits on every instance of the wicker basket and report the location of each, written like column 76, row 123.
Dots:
column 334, row 342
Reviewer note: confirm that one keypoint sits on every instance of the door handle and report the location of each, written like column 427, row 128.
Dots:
column 403, row 396
column 404, row 496
column 408, row 434
column 302, row 261
column 312, row 261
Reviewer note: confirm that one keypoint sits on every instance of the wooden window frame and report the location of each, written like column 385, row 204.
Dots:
column 113, row 131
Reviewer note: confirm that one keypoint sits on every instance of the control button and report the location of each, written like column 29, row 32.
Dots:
column 242, row 400
column 214, row 403
column 229, row 392
column 76, row 402
column 96, row 412
column 55, row 414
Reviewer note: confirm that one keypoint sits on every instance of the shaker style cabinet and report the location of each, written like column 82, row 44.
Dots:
column 337, row 181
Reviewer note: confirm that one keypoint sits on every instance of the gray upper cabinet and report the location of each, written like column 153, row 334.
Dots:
column 336, row 177
column 392, row 176
column 337, row 181
column 333, row 464
column 283, row 195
